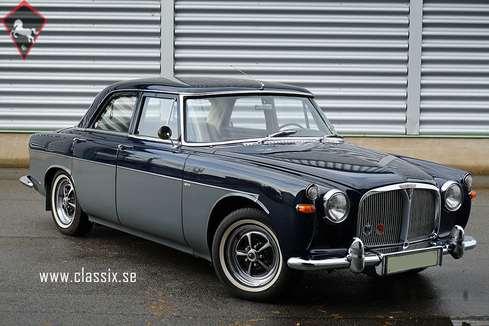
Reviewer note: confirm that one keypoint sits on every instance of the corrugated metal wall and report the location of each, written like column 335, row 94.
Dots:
column 84, row 46
column 455, row 68
column 352, row 55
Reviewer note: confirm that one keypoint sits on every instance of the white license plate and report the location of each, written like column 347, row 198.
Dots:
column 401, row 262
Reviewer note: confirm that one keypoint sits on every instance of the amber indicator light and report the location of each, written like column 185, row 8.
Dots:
column 304, row 208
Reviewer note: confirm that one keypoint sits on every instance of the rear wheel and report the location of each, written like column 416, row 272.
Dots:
column 247, row 257
column 67, row 213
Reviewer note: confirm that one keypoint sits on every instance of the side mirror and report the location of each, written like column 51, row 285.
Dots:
column 164, row 132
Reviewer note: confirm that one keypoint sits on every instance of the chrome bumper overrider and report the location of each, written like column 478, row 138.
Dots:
column 26, row 181
column 357, row 259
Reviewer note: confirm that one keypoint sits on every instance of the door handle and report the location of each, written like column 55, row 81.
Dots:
column 76, row 140
column 122, row 147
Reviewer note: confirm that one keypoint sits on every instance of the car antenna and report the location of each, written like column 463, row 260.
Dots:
column 262, row 86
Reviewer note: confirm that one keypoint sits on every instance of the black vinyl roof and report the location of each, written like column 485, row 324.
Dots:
column 201, row 84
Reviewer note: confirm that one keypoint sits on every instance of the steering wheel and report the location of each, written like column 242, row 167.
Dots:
column 290, row 124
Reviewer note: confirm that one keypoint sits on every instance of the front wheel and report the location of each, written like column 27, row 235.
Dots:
column 247, row 257
column 67, row 213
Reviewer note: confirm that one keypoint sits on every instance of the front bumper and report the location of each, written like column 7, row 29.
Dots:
column 356, row 259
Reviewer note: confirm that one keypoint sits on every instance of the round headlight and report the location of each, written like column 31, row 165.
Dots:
column 453, row 195
column 336, row 205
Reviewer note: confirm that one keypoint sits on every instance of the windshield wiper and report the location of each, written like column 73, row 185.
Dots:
column 279, row 134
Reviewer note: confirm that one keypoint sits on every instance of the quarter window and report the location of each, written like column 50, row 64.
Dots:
column 117, row 114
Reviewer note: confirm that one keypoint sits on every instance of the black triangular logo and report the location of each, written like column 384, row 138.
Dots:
column 24, row 24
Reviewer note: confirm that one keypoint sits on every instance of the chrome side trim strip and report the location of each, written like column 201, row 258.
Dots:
column 187, row 183
column 149, row 173
column 90, row 161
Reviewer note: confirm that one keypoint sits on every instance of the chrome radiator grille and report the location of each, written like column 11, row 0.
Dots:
column 398, row 214
column 422, row 214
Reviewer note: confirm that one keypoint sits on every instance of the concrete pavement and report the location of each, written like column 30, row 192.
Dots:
column 178, row 289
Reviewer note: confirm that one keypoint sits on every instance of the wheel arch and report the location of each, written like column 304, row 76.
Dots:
column 224, row 206
column 48, row 180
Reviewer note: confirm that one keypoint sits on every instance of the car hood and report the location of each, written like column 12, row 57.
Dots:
column 340, row 162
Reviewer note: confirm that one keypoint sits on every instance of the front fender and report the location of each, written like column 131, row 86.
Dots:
column 208, row 180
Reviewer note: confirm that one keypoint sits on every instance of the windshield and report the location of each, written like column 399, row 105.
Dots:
column 237, row 118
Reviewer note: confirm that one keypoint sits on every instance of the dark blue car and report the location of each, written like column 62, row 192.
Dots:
column 250, row 176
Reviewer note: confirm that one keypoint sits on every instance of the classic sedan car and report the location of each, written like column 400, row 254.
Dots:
column 250, row 176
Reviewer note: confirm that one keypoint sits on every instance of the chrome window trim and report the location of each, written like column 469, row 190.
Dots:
column 103, row 103
column 248, row 91
column 107, row 132
column 213, row 93
column 137, row 117
column 184, row 96
column 175, row 142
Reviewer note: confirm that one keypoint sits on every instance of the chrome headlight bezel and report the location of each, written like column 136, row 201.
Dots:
column 312, row 191
column 468, row 180
column 336, row 205
column 453, row 195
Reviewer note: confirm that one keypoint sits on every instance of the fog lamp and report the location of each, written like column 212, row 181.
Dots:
column 468, row 179
column 312, row 191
